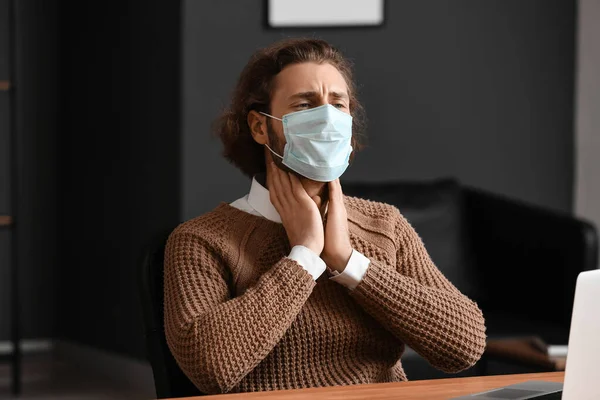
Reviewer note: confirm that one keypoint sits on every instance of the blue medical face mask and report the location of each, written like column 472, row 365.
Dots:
column 318, row 142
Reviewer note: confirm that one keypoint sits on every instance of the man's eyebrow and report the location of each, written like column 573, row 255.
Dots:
column 339, row 95
column 308, row 95
column 303, row 95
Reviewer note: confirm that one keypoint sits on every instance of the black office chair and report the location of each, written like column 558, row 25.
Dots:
column 169, row 380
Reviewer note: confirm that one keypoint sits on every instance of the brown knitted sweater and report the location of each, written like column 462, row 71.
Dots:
column 240, row 316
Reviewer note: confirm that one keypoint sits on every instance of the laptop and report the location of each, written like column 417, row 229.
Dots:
column 582, row 373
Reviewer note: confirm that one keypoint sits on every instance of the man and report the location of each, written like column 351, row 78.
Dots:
column 295, row 285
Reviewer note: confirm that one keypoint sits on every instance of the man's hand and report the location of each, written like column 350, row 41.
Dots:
column 299, row 213
column 337, row 250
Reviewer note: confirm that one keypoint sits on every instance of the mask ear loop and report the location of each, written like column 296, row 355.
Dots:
column 271, row 150
column 269, row 115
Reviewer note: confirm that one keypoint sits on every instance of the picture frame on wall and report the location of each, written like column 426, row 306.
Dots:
column 325, row 13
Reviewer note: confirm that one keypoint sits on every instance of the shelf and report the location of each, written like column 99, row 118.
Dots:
column 4, row 86
column 5, row 220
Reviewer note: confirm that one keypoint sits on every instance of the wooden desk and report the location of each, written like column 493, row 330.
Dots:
column 431, row 390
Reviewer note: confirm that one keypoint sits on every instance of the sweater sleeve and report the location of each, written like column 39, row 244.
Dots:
column 421, row 307
column 216, row 339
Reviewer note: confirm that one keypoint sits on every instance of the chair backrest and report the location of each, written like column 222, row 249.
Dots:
column 169, row 380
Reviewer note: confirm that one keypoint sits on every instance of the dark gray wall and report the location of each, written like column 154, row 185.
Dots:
column 479, row 90
column 119, row 162
column 36, row 223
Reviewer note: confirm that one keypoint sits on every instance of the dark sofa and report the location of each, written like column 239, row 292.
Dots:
column 519, row 262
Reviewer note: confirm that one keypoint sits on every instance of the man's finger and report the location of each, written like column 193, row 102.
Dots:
column 333, row 199
column 336, row 197
column 318, row 201
column 297, row 188
column 286, row 187
column 336, row 190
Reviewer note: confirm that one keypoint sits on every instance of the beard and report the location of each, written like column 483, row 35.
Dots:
column 278, row 147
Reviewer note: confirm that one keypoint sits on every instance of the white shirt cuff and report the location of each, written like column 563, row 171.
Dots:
column 354, row 272
column 311, row 262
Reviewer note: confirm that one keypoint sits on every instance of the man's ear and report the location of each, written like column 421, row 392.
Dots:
column 258, row 127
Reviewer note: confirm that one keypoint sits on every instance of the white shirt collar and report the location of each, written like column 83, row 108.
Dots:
column 259, row 199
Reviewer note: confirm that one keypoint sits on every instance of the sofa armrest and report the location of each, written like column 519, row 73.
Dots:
column 528, row 257
column 529, row 352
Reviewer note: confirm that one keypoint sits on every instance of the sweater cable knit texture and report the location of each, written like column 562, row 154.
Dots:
column 240, row 316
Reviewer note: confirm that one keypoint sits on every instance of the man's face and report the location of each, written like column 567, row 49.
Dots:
column 300, row 87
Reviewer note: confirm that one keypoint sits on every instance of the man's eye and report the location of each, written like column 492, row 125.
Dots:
column 303, row 105
column 339, row 105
